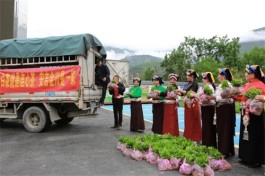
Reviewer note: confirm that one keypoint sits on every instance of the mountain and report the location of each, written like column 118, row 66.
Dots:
column 253, row 38
column 141, row 59
column 138, row 64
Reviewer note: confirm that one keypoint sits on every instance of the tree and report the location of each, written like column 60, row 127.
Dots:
column 256, row 56
column 177, row 62
column 148, row 74
column 208, row 65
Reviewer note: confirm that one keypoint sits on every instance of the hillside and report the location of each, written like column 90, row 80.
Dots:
column 141, row 59
column 247, row 46
column 138, row 64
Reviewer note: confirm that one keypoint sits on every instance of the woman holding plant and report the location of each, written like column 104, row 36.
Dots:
column 116, row 89
column 251, row 141
column 137, row 118
column 225, row 113
column 208, row 110
column 170, row 124
column 192, row 113
column 158, row 105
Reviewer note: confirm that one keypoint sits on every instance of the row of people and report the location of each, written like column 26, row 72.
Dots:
column 202, row 121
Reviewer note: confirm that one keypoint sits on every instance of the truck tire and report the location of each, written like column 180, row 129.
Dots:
column 35, row 119
column 63, row 121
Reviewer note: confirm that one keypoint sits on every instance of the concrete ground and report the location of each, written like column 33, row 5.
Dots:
column 87, row 147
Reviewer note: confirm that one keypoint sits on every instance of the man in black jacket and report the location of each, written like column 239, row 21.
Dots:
column 117, row 102
column 102, row 79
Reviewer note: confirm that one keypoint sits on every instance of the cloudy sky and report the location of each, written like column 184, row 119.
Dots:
column 146, row 26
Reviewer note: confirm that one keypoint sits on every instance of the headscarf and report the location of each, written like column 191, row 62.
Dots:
column 191, row 72
column 209, row 76
column 226, row 72
column 174, row 76
column 158, row 79
column 137, row 79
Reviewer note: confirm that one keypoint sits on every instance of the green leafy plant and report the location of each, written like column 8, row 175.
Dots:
column 207, row 90
column 252, row 92
column 224, row 84
column 237, row 82
column 188, row 94
column 202, row 160
column 171, row 87
column 168, row 146
column 113, row 81
column 152, row 88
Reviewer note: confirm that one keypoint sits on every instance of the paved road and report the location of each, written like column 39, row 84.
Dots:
column 87, row 146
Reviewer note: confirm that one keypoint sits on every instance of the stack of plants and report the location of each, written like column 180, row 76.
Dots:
column 170, row 152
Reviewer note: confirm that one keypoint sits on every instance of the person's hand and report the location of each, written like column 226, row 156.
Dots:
column 260, row 98
column 104, row 79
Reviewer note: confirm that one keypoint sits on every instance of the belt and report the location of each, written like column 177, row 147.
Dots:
column 170, row 101
column 136, row 99
column 157, row 101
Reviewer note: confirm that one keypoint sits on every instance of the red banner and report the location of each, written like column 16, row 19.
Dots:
column 50, row 79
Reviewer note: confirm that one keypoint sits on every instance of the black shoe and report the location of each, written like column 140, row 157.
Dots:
column 115, row 126
column 254, row 165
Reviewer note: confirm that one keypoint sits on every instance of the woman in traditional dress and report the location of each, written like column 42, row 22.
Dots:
column 170, row 124
column 158, row 105
column 208, row 111
column 225, row 116
column 251, row 144
column 137, row 118
column 192, row 115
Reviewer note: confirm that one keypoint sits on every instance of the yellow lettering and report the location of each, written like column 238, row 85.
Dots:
column 62, row 78
column 17, row 80
column 41, row 78
column 46, row 79
column 12, row 80
column 22, row 80
column 7, row 80
column 32, row 80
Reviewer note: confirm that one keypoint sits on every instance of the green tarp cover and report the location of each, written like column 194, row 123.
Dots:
column 50, row 46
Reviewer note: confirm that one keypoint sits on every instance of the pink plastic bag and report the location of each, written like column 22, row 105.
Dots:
column 151, row 157
column 175, row 163
column 164, row 164
column 137, row 155
column 127, row 152
column 208, row 171
column 204, row 99
column 225, row 165
column 120, row 146
column 216, row 164
column 256, row 107
column 185, row 168
column 197, row 170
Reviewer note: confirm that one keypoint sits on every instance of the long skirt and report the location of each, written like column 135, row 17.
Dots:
column 208, row 128
column 252, row 150
column 137, row 118
column 193, row 129
column 158, row 116
column 225, row 115
column 170, row 124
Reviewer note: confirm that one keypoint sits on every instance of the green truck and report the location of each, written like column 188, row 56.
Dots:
column 45, row 80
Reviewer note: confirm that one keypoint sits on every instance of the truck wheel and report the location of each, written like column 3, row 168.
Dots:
column 63, row 121
column 35, row 119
